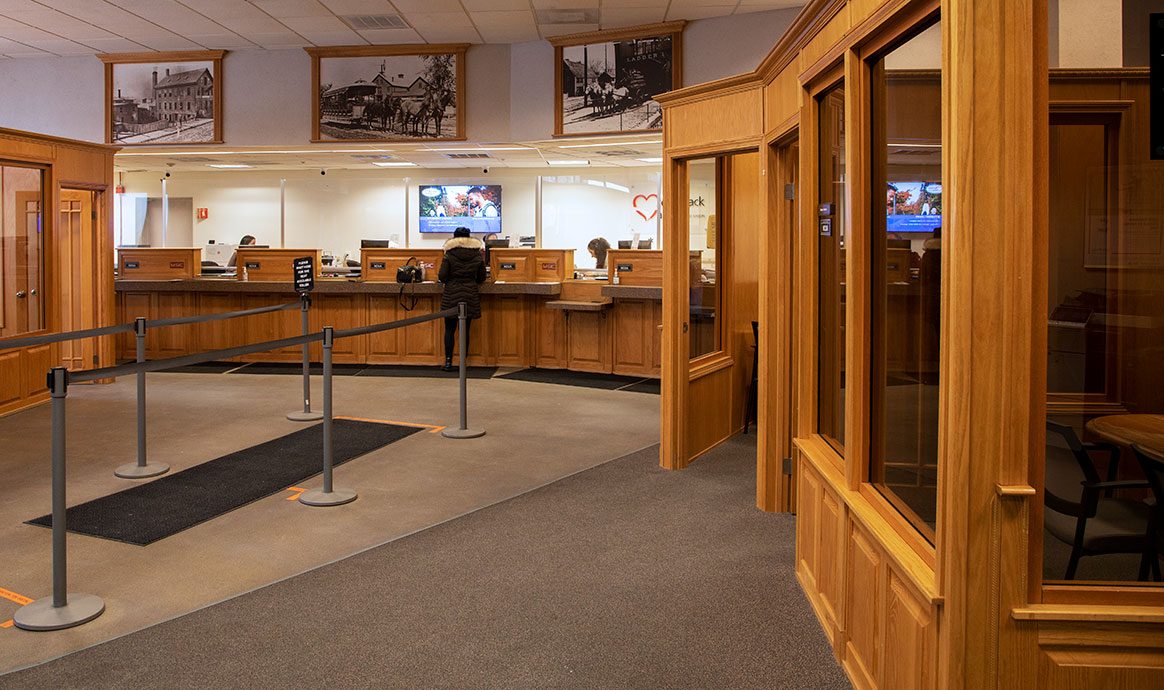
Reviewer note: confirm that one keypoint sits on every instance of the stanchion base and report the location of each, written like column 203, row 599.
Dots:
column 42, row 615
column 136, row 471
column 308, row 416
column 449, row 432
column 337, row 497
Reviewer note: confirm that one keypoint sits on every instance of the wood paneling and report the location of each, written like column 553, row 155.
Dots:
column 909, row 640
column 159, row 263
column 379, row 265
column 531, row 265
column 863, row 608
column 11, row 372
column 635, row 266
column 634, row 331
column 549, row 336
column 509, row 330
column 730, row 118
column 825, row 40
column 273, row 264
column 588, row 342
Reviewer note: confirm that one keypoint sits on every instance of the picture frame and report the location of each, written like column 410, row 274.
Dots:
column 605, row 81
column 388, row 93
column 170, row 98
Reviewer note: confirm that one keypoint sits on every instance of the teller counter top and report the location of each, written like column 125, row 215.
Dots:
column 340, row 286
column 633, row 291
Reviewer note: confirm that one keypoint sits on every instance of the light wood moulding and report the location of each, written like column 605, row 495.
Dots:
column 213, row 56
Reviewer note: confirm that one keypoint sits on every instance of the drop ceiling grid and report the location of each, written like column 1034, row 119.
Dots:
column 30, row 28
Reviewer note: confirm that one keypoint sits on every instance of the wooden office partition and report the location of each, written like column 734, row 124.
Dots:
column 273, row 264
column 379, row 264
column 159, row 263
column 531, row 265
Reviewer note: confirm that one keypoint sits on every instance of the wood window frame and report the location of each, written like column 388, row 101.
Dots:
column 719, row 357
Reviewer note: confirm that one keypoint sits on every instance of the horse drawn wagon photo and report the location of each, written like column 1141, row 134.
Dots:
column 388, row 93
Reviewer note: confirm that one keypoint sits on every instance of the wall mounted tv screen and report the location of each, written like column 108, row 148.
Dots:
column 444, row 208
column 914, row 206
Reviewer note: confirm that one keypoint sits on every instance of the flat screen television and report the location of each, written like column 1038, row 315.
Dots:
column 913, row 206
column 444, row 208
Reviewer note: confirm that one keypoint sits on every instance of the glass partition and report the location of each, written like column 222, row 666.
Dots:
column 832, row 227
column 21, row 250
column 610, row 209
column 704, row 233
column 1102, row 491
column 906, row 275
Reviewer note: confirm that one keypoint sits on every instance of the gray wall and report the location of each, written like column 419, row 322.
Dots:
column 266, row 94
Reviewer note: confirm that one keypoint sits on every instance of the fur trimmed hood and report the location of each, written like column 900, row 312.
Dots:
column 466, row 242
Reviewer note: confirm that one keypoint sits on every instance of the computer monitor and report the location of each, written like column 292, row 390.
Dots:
column 497, row 244
column 624, row 244
column 374, row 244
column 645, row 244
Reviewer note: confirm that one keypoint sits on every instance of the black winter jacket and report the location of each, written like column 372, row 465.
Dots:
column 462, row 268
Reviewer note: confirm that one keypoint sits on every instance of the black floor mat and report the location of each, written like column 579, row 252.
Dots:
column 207, row 368
column 572, row 378
column 417, row 371
column 644, row 386
column 174, row 502
column 296, row 369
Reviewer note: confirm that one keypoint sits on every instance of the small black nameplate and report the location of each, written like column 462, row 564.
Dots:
column 303, row 269
column 251, row 264
column 625, row 268
column 132, row 264
column 378, row 266
column 508, row 266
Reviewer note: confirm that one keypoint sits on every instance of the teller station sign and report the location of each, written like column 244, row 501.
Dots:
column 159, row 263
column 531, row 265
column 273, row 264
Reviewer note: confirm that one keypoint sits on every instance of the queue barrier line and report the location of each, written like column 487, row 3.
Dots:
column 219, row 316
column 66, row 610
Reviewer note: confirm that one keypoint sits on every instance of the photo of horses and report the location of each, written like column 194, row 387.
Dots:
column 389, row 97
column 610, row 86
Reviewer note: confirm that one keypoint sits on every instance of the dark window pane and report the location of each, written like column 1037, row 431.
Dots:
column 831, row 267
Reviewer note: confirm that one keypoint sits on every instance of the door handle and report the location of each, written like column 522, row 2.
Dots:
column 684, row 326
column 32, row 292
column 20, row 295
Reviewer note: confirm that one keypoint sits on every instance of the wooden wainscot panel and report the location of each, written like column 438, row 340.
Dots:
column 171, row 341
column 339, row 312
column 640, row 267
column 909, row 640
column 159, row 263
column 273, row 264
column 36, row 362
column 386, row 346
column 549, row 335
column 863, row 611
column 218, row 335
column 553, row 265
column 587, row 341
column 709, row 411
column 634, row 333
column 860, row 10
column 730, row 117
column 1085, row 655
column 379, row 265
column 274, row 325
column 782, row 99
column 11, row 380
column 829, row 544
column 828, row 37
column 508, row 330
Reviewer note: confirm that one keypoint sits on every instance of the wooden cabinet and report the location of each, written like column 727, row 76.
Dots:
column 531, row 265
column 273, row 264
column 634, row 330
column 418, row 344
column 159, row 263
column 549, row 336
column 379, row 265
column 587, row 341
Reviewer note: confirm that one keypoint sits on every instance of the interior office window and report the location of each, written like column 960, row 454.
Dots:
column 21, row 250
column 831, row 267
column 906, row 275
column 704, row 233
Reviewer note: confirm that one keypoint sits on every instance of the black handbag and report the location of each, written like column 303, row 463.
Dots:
column 409, row 274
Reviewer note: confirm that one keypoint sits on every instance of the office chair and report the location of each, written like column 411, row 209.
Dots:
column 1077, row 513
column 1153, row 468
column 754, row 387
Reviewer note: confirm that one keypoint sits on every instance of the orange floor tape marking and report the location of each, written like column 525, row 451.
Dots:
column 15, row 597
column 6, row 624
column 297, row 491
column 431, row 428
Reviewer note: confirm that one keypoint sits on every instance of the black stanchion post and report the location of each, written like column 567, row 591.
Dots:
column 307, row 415
column 463, row 335
column 141, row 469
column 62, row 610
column 328, row 496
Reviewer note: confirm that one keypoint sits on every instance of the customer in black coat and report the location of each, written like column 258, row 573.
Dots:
column 462, row 269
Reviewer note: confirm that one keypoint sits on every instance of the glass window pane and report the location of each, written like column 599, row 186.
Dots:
column 906, row 275
column 21, row 251
column 704, row 234
column 831, row 268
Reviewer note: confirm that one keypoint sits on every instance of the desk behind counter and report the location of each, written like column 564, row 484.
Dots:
column 516, row 328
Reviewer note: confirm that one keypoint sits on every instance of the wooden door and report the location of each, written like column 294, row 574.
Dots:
column 23, row 273
column 76, row 270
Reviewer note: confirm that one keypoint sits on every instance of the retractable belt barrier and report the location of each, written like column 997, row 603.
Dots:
column 64, row 610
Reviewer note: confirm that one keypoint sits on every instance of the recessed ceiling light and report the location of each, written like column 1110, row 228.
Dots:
column 650, row 160
column 577, row 162
column 395, row 164
column 226, row 165
column 610, row 143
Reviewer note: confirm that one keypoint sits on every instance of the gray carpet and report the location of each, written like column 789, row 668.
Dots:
column 622, row 576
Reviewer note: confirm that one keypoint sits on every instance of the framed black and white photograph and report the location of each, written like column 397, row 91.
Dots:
column 606, row 81
column 388, row 93
column 163, row 98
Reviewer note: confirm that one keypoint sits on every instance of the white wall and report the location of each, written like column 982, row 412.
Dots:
column 579, row 206
column 267, row 94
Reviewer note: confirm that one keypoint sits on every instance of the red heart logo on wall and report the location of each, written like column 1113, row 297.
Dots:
column 646, row 198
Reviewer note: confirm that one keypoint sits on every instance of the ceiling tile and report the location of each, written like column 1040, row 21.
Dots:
column 316, row 24
column 503, row 35
column 454, row 35
column 171, row 42
column 612, row 18
column 633, row 4
column 14, row 49
column 768, row 5
column 334, row 38
column 408, row 6
column 177, row 18
column 258, row 25
column 566, row 4
column 563, row 29
column 503, row 20
column 224, row 9
column 385, row 37
column 59, row 23
column 284, row 39
column 439, row 20
column 18, row 31
column 692, row 12
column 344, row 7
column 221, row 41
column 60, row 46
column 292, row 8
column 495, row 5
column 114, row 45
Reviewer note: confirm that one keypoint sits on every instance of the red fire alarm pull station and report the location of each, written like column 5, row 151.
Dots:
column 203, row 214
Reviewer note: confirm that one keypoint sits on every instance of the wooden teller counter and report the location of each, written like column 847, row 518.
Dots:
column 533, row 313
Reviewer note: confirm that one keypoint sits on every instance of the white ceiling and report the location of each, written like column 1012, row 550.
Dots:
column 45, row 28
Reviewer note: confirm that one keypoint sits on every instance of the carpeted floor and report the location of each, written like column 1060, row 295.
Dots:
column 622, row 576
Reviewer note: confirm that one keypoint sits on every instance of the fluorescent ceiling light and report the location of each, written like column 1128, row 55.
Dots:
column 227, row 165
column 611, row 143
column 575, row 162
column 650, row 160
column 395, row 164
column 611, row 185
column 596, row 183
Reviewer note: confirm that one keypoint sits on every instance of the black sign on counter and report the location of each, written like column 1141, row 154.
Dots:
column 508, row 266
column 624, row 268
column 1156, row 101
column 378, row 266
column 132, row 264
column 251, row 264
column 304, row 269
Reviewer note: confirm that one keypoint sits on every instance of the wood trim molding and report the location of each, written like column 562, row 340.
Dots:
column 787, row 129
column 641, row 31
column 172, row 56
column 17, row 135
column 716, row 361
column 710, row 89
column 1088, row 613
column 378, row 51
column 1100, row 73
column 716, row 148
column 1015, row 491
column 1085, row 106
column 811, row 19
